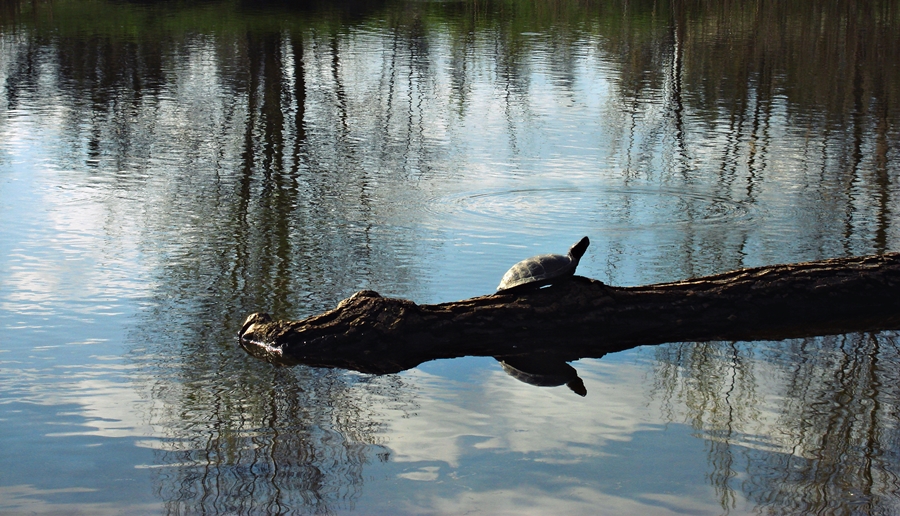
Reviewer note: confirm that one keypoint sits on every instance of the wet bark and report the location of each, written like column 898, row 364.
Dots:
column 584, row 318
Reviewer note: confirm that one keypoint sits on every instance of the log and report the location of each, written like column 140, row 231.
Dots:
column 584, row 318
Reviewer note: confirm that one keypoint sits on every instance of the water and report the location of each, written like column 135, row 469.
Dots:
column 167, row 170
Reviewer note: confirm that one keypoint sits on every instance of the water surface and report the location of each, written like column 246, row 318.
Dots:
column 166, row 170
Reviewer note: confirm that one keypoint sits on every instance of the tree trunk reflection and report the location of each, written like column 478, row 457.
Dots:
column 828, row 441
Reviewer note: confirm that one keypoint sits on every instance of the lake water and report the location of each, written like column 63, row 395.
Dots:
column 167, row 169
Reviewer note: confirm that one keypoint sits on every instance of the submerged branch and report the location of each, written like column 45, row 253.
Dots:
column 584, row 318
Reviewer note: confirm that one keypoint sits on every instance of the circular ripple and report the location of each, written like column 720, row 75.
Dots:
column 607, row 209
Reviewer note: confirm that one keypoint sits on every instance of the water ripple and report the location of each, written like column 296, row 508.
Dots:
column 612, row 209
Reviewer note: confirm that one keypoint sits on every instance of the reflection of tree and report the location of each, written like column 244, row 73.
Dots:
column 745, row 86
column 829, row 76
column 839, row 418
column 256, row 213
column 717, row 385
column 295, row 441
column 812, row 422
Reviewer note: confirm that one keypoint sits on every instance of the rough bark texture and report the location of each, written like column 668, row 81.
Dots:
column 584, row 318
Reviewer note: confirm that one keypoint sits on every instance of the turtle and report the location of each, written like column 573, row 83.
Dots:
column 538, row 271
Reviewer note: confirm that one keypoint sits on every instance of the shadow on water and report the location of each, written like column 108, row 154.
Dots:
column 280, row 185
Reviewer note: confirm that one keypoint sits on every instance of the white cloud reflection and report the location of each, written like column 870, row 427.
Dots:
column 27, row 499
column 575, row 501
column 502, row 413
column 494, row 445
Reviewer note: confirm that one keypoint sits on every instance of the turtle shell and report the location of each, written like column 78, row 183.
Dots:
column 537, row 271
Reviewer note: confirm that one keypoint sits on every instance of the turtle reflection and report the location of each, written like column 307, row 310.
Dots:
column 543, row 370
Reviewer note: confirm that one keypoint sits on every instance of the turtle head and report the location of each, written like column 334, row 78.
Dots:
column 577, row 250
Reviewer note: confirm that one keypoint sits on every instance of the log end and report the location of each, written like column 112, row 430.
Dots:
column 254, row 339
column 251, row 323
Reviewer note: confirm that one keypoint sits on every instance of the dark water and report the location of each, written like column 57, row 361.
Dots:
column 167, row 169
